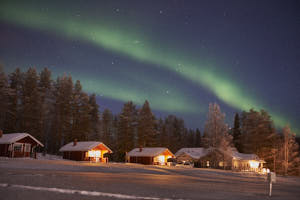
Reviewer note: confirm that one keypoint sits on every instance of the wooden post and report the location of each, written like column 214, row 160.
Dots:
column 271, row 179
column 12, row 150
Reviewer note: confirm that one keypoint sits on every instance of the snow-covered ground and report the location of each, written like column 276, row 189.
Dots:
column 135, row 180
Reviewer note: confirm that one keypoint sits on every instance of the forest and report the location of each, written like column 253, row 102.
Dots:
column 58, row 111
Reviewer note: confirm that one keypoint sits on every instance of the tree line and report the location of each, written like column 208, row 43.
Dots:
column 58, row 111
column 254, row 132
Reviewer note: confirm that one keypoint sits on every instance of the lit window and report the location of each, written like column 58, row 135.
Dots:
column 95, row 154
column 253, row 164
column 161, row 159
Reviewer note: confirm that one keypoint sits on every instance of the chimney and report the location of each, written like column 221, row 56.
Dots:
column 141, row 148
column 1, row 133
column 74, row 142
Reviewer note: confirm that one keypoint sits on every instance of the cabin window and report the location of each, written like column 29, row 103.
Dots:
column 18, row 147
column 27, row 147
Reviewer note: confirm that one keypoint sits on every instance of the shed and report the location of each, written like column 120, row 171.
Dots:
column 85, row 151
column 149, row 155
column 18, row 145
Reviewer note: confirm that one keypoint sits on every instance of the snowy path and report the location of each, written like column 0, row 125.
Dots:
column 29, row 179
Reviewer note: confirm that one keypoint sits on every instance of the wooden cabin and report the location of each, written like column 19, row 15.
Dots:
column 216, row 158
column 190, row 154
column 247, row 162
column 149, row 155
column 18, row 145
column 85, row 151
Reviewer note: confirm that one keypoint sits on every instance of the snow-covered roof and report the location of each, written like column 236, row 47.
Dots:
column 83, row 146
column 243, row 156
column 149, row 151
column 195, row 153
column 14, row 137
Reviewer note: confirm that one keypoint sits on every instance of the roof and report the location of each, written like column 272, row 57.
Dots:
column 243, row 156
column 148, row 151
column 195, row 153
column 83, row 146
column 14, row 137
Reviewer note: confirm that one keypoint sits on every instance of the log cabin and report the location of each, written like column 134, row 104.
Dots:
column 18, row 145
column 149, row 155
column 190, row 154
column 85, row 151
column 214, row 158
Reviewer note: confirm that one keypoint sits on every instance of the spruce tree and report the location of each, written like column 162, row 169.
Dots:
column 107, row 127
column 31, row 104
column 47, row 99
column 236, row 133
column 259, row 136
column 198, row 138
column 147, row 135
column 13, row 119
column 94, row 118
column 4, row 98
column 126, row 130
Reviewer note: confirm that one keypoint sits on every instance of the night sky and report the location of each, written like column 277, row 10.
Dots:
column 179, row 55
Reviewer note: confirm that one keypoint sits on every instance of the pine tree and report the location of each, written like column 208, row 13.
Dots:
column 5, row 93
column 31, row 104
column 198, row 138
column 13, row 119
column 47, row 99
column 147, row 135
column 81, row 108
column 259, row 136
column 163, row 139
column 94, row 118
column 191, row 138
column 62, row 122
column 126, row 130
column 76, row 103
column 107, row 127
column 236, row 133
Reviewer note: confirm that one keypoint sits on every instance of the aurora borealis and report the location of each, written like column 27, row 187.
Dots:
column 157, row 53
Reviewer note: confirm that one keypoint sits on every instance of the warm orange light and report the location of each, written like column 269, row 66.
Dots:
column 253, row 164
column 95, row 154
column 161, row 159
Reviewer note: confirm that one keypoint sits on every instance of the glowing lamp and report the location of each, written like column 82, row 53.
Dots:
column 161, row 159
column 95, row 154
column 253, row 164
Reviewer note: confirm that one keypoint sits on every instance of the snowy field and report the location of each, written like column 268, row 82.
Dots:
column 51, row 177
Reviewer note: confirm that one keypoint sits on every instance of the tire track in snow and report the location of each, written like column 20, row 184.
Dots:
column 82, row 192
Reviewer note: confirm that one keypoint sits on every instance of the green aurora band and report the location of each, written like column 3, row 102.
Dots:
column 137, row 47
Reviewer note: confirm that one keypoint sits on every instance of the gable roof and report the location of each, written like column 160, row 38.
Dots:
column 83, row 146
column 148, row 152
column 243, row 156
column 195, row 153
column 14, row 137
